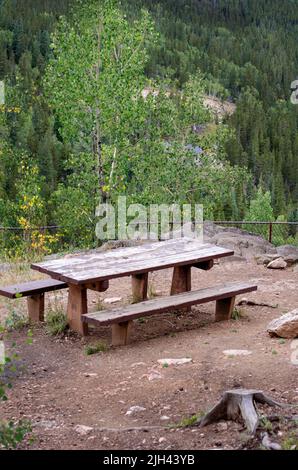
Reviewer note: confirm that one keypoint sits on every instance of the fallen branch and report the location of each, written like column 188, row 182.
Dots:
column 255, row 304
column 131, row 429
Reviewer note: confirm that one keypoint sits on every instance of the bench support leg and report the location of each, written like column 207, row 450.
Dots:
column 77, row 306
column 139, row 284
column 120, row 333
column 36, row 308
column 224, row 309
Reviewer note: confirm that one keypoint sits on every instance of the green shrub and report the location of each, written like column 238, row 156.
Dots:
column 190, row 421
column 95, row 348
column 291, row 442
column 237, row 314
column 12, row 434
column 15, row 321
column 56, row 322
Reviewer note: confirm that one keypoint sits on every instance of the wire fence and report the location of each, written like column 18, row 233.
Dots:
column 35, row 242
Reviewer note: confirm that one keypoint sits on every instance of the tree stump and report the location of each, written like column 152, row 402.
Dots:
column 237, row 404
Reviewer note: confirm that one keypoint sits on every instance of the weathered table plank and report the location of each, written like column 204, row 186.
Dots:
column 100, row 266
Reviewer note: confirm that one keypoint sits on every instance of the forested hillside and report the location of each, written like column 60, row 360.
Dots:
column 243, row 51
column 248, row 52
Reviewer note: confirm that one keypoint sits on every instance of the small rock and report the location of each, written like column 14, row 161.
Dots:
column 48, row 424
column 154, row 375
column 161, row 439
column 112, row 300
column 164, row 418
column 174, row 362
column 222, row 427
column 83, row 430
column 278, row 263
column 269, row 444
column 237, row 352
column 286, row 326
column 90, row 374
column 137, row 364
column 135, row 409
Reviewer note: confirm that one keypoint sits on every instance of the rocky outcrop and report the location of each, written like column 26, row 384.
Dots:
column 285, row 326
column 288, row 253
column 245, row 244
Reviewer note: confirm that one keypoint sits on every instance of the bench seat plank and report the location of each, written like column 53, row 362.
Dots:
column 32, row 288
column 166, row 304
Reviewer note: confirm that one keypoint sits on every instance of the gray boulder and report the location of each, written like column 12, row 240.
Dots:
column 266, row 259
column 278, row 263
column 289, row 253
column 285, row 326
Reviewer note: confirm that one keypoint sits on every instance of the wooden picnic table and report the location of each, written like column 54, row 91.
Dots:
column 94, row 269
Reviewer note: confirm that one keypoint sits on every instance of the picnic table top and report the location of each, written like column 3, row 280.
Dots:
column 95, row 266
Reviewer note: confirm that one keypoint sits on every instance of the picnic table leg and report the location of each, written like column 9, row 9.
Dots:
column 77, row 306
column 139, row 287
column 181, row 280
column 224, row 309
column 120, row 331
column 35, row 305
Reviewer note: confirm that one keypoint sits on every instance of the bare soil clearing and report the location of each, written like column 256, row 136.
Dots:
column 58, row 387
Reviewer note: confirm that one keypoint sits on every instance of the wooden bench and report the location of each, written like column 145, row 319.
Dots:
column 34, row 291
column 121, row 318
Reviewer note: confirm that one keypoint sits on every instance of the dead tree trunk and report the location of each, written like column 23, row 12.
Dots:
column 237, row 404
column 97, row 145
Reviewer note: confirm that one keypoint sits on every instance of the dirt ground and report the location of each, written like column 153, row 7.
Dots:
column 57, row 386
